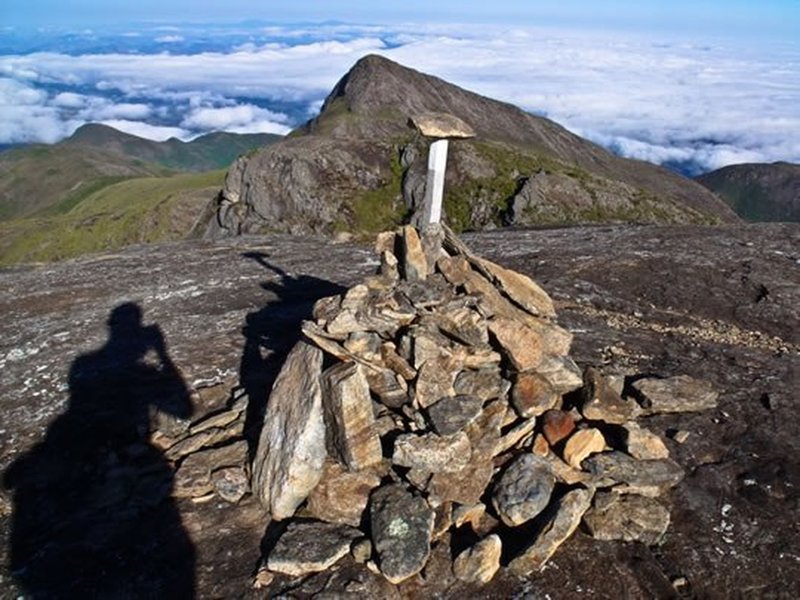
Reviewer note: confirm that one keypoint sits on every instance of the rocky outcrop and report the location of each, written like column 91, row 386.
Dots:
column 358, row 166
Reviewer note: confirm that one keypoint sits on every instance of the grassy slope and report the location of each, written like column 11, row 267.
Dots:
column 139, row 210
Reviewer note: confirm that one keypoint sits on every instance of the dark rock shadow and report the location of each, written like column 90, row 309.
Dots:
column 271, row 332
column 93, row 516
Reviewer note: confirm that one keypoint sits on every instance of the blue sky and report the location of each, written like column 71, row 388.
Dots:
column 692, row 85
column 762, row 17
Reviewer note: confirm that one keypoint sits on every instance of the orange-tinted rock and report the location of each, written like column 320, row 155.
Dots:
column 557, row 425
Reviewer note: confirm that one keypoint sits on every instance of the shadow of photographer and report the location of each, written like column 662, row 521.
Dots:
column 92, row 515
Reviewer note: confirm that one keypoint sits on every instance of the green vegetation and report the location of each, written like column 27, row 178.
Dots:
column 381, row 208
column 141, row 210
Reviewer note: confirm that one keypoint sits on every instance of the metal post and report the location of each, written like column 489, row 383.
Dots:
column 434, row 191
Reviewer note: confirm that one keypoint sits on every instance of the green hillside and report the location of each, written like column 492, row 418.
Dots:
column 141, row 210
column 48, row 180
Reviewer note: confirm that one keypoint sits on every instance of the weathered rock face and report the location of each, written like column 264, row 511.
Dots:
column 291, row 449
column 333, row 172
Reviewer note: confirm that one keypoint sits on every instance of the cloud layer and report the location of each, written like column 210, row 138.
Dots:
column 698, row 106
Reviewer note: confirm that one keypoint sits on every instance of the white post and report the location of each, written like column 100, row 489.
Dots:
column 437, row 161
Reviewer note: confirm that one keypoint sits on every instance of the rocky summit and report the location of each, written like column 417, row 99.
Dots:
column 414, row 405
column 360, row 166
column 644, row 446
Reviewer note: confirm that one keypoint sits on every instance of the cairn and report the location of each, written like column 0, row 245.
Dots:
column 439, row 394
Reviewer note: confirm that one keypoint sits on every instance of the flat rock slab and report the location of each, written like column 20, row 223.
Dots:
column 563, row 522
column 451, row 415
column 675, row 394
column 479, row 563
column 402, row 527
column 310, row 547
column 523, row 490
column 644, row 476
column 291, row 450
column 341, row 496
column 432, row 453
column 348, row 412
column 627, row 517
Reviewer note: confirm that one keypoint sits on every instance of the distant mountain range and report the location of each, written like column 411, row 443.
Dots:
column 359, row 167
column 102, row 189
column 758, row 192
column 50, row 179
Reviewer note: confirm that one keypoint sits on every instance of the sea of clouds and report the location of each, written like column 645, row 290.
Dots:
column 694, row 106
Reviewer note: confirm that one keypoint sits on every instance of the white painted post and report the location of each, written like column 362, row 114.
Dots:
column 437, row 162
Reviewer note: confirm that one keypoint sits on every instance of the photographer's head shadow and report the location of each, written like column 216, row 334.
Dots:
column 93, row 514
column 271, row 332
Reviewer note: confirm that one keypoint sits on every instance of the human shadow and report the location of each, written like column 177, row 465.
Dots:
column 92, row 515
column 271, row 332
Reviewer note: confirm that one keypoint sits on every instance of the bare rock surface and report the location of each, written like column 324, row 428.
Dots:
column 627, row 517
column 291, row 450
column 676, row 394
column 479, row 563
column 660, row 300
column 402, row 526
column 523, row 490
column 309, row 547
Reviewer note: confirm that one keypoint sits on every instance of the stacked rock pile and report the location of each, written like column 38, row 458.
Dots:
column 439, row 395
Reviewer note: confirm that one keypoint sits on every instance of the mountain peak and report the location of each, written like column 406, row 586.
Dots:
column 97, row 133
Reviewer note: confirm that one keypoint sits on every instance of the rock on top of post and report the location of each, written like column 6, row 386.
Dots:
column 441, row 125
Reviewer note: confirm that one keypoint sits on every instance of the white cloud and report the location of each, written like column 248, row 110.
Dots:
column 244, row 118
column 663, row 100
column 158, row 133
column 169, row 39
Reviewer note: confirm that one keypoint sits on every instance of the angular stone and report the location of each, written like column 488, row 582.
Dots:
column 629, row 518
column 365, row 345
column 341, row 496
column 486, row 383
column 203, row 439
column 428, row 345
column 465, row 486
column 556, row 340
column 361, row 550
column 602, row 403
column 561, row 372
column 558, row 425
column 520, row 288
column 291, row 449
column 397, row 363
column 389, row 268
column 456, row 269
column 441, row 125
column 322, row 339
column 310, row 547
column 637, row 475
column 356, row 298
column 349, row 416
column 465, row 325
column 193, row 478
column 443, row 520
column 675, row 394
column 532, row 395
column 479, row 563
column 385, row 241
column 343, row 324
column 390, row 390
column 540, row 445
column 231, row 483
column 432, row 236
column 564, row 521
column 402, row 526
column 582, row 444
column 432, row 453
column 484, row 432
column 415, row 265
column 326, row 308
column 643, row 444
column 435, row 380
column 468, row 514
column 521, row 345
column 452, row 414
column 523, row 490
column 514, row 436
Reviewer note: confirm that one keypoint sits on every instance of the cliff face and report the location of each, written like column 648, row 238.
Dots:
column 358, row 166
column 758, row 192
